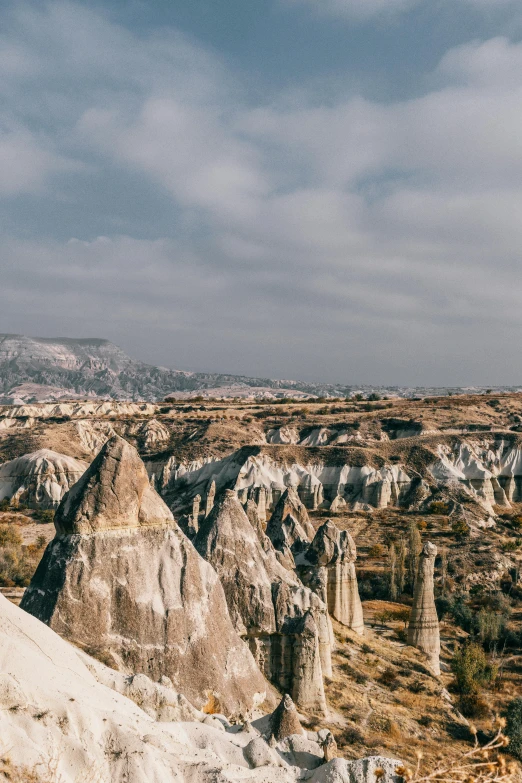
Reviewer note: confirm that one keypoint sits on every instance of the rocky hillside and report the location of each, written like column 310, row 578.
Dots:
column 36, row 368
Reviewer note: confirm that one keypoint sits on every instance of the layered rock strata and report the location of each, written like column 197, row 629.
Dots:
column 423, row 628
column 40, row 479
column 332, row 556
column 289, row 526
column 120, row 579
column 267, row 603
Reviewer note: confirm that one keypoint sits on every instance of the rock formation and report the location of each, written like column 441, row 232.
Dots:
column 284, row 721
column 261, row 504
column 335, row 551
column 267, row 603
column 423, row 628
column 122, row 580
column 40, row 479
column 307, row 681
column 211, row 493
column 63, row 711
column 289, row 526
column 195, row 512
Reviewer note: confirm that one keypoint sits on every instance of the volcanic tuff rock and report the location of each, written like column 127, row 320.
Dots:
column 334, row 551
column 120, row 578
column 267, row 603
column 284, row 721
column 63, row 711
column 39, row 479
column 423, row 628
column 289, row 526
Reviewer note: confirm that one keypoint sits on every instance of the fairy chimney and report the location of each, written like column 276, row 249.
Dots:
column 211, row 494
column 423, row 628
column 335, row 551
column 195, row 511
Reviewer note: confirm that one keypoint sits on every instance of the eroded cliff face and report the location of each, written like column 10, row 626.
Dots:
column 491, row 469
column 40, row 479
column 122, row 579
column 268, row 604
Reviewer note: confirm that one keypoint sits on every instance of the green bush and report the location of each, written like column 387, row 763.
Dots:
column 471, row 669
column 10, row 536
column 460, row 529
column 44, row 515
column 514, row 727
column 18, row 562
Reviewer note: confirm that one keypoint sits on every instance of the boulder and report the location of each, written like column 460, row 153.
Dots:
column 284, row 721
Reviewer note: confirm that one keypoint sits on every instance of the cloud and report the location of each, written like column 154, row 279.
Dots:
column 359, row 10
column 364, row 10
column 350, row 239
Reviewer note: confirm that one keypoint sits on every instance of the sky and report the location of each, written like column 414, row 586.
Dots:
column 314, row 189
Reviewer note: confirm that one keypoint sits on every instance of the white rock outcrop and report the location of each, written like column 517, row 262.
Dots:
column 40, row 479
column 122, row 580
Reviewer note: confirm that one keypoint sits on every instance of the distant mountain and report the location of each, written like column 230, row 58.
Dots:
column 36, row 369
column 42, row 368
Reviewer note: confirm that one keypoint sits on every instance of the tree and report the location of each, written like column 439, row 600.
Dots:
column 401, row 565
column 514, row 727
column 471, row 669
column 392, row 557
column 444, row 570
column 415, row 548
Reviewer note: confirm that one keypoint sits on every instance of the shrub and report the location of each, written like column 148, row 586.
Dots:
column 471, row 669
column 377, row 550
column 10, row 536
column 460, row 529
column 388, row 677
column 44, row 515
column 17, row 562
column 473, row 705
column 514, row 727
column 439, row 507
column 352, row 736
column 4, row 504
column 425, row 720
column 359, row 677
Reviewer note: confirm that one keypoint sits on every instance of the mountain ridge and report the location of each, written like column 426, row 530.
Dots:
column 38, row 369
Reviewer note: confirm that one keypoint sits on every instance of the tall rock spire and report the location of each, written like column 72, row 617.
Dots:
column 335, row 551
column 423, row 628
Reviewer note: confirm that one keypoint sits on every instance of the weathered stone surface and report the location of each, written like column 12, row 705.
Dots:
column 307, row 684
column 284, row 721
column 40, row 479
column 289, row 525
column 134, row 588
column 196, row 501
column 267, row 603
column 333, row 552
column 114, row 492
column 211, row 494
column 329, row 747
column 423, row 628
column 359, row 771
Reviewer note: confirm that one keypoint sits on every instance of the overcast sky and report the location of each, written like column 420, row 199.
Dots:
column 315, row 189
